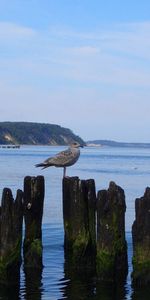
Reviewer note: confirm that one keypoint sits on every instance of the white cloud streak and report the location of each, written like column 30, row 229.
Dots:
column 119, row 56
column 10, row 30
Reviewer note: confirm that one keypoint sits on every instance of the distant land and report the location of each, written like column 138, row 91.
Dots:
column 28, row 133
column 116, row 144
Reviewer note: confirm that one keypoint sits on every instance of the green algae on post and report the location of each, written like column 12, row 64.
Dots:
column 33, row 213
column 79, row 206
column 11, row 219
column 111, row 260
column 141, row 241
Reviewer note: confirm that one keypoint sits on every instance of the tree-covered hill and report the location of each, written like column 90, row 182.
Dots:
column 36, row 134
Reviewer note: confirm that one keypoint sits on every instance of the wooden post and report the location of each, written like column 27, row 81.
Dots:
column 11, row 219
column 33, row 212
column 141, row 241
column 111, row 244
column 79, row 204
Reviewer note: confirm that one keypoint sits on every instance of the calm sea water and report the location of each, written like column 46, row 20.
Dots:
column 129, row 168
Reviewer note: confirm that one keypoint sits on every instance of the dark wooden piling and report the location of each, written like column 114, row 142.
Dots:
column 141, row 241
column 11, row 219
column 111, row 244
column 79, row 204
column 33, row 212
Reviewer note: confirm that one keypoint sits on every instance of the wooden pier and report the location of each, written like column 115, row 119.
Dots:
column 33, row 213
column 11, row 218
column 111, row 258
column 79, row 207
column 94, row 232
column 141, row 241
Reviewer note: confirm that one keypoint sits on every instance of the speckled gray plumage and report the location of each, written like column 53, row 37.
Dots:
column 62, row 159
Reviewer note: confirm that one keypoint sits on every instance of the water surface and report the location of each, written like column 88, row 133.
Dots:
column 129, row 168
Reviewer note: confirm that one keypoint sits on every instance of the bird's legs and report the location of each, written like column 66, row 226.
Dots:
column 64, row 173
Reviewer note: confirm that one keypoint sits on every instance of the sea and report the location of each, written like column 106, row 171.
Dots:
column 127, row 167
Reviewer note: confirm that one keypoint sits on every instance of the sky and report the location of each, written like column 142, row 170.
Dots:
column 81, row 64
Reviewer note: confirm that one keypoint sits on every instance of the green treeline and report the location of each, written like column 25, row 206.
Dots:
column 36, row 133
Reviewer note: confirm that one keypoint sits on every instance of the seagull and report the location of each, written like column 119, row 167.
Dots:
column 63, row 159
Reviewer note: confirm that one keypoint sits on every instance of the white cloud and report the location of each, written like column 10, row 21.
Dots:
column 10, row 30
column 128, row 38
column 119, row 55
column 84, row 50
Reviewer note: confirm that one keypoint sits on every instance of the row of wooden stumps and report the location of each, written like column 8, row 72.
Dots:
column 28, row 204
column 95, row 231
column 102, row 251
column 94, row 228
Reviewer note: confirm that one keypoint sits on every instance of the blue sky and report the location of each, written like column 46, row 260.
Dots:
column 81, row 64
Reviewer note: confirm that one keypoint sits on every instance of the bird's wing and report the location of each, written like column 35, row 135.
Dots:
column 63, row 159
column 60, row 158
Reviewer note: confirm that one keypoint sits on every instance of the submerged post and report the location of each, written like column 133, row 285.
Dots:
column 111, row 244
column 79, row 204
column 11, row 219
column 33, row 212
column 141, row 241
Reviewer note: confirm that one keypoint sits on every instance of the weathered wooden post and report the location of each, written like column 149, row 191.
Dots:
column 79, row 204
column 11, row 219
column 141, row 241
column 111, row 244
column 33, row 212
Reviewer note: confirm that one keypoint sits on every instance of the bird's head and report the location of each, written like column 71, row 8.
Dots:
column 76, row 145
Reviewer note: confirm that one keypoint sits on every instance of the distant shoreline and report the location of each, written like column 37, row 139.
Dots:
column 101, row 143
column 97, row 144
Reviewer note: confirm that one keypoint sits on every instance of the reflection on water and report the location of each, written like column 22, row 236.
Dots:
column 9, row 292
column 33, row 284
column 81, row 286
column 58, row 280
column 141, row 294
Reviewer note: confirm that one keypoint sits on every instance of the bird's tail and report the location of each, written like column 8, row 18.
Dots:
column 41, row 165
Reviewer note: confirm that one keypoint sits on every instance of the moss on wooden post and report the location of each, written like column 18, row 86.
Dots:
column 11, row 219
column 141, row 241
column 79, row 203
column 111, row 244
column 33, row 212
